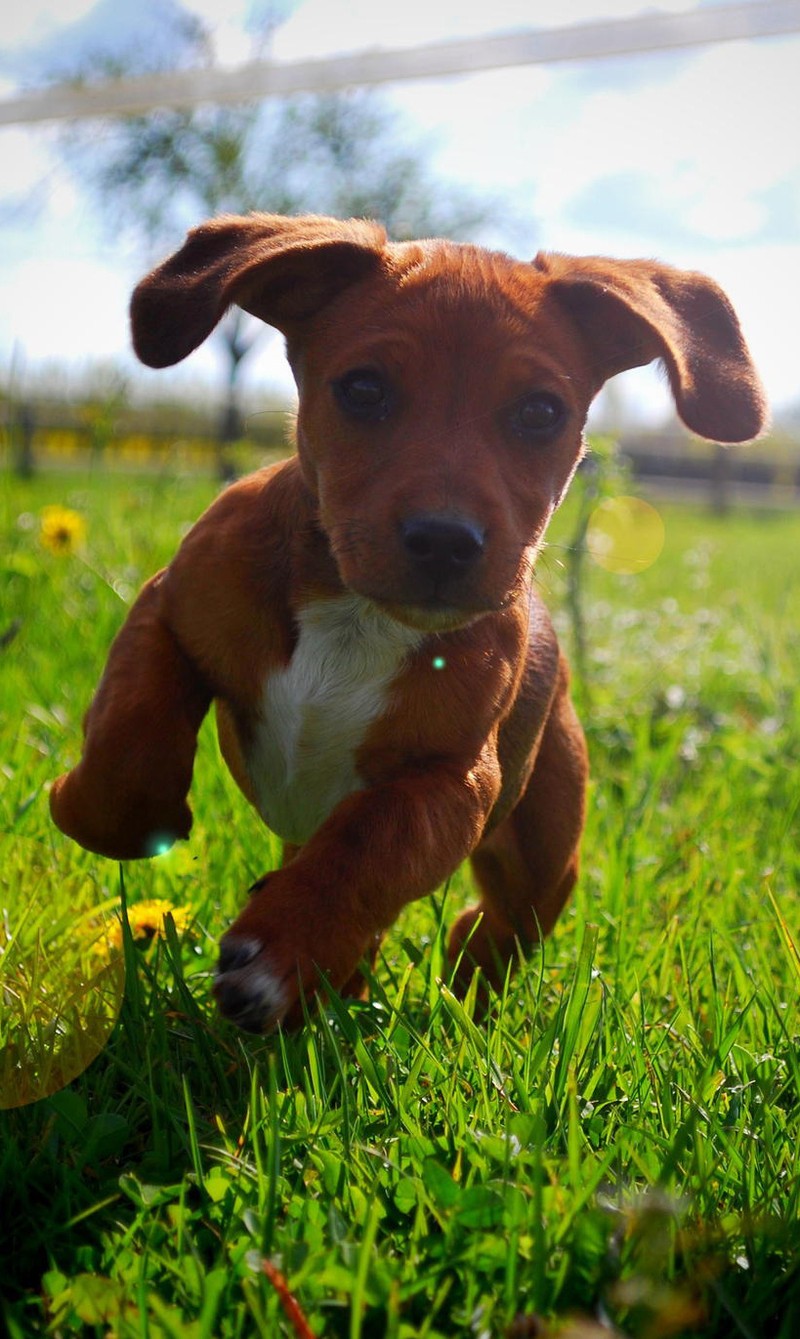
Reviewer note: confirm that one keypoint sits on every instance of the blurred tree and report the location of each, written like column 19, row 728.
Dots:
column 343, row 154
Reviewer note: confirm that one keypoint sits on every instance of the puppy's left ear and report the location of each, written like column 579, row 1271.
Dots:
column 277, row 268
column 631, row 312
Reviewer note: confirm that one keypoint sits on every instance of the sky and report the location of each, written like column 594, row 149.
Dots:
column 692, row 157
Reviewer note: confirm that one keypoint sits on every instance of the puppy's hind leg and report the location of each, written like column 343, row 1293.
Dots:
column 527, row 866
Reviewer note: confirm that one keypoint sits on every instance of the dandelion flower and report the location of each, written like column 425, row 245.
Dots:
column 146, row 920
column 62, row 530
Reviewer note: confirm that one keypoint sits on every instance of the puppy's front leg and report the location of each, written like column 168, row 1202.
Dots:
column 126, row 797
column 318, row 916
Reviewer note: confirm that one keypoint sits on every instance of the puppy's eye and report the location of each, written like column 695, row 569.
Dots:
column 537, row 415
column 363, row 393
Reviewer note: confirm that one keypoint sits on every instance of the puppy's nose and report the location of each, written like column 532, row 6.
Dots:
column 442, row 546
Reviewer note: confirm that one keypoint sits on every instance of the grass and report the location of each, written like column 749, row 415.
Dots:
column 614, row 1151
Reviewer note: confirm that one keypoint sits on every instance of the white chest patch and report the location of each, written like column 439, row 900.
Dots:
column 316, row 711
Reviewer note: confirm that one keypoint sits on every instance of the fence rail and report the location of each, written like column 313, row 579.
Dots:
column 257, row 80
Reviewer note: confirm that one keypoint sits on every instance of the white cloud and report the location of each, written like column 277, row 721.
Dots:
column 714, row 136
column 28, row 23
column 322, row 27
column 226, row 20
column 24, row 160
column 60, row 306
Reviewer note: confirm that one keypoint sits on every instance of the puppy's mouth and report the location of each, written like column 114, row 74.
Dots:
column 434, row 616
column 445, row 609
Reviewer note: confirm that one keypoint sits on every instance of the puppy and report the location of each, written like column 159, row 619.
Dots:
column 389, row 691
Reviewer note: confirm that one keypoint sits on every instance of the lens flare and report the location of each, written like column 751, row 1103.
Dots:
column 625, row 535
column 61, row 980
column 62, row 968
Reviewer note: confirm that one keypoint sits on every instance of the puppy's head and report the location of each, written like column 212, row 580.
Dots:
column 443, row 389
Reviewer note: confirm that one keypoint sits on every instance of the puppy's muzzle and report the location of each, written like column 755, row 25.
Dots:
column 442, row 549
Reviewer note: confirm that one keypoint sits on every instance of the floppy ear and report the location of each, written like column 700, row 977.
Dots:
column 631, row 312
column 279, row 269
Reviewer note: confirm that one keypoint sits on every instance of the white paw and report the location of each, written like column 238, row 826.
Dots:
column 247, row 992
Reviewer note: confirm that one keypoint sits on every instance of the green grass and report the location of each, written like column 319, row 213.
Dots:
column 618, row 1143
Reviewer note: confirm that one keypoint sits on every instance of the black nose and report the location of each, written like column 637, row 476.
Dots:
column 442, row 546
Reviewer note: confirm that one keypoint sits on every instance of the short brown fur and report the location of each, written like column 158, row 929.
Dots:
column 429, row 506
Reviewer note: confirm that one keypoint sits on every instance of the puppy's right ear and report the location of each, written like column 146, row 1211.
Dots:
column 278, row 269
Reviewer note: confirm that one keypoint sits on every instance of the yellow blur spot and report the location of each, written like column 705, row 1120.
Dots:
column 59, row 995
column 625, row 535
column 62, row 970
column 61, row 529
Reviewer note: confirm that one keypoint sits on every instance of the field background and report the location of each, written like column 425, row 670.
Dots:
column 616, row 1148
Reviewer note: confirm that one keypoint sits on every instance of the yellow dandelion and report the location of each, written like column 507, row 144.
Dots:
column 146, row 920
column 62, row 530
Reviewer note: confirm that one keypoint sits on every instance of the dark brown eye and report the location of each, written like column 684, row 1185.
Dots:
column 537, row 415
column 363, row 393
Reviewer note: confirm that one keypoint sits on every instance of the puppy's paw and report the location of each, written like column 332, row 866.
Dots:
column 270, row 961
column 247, row 988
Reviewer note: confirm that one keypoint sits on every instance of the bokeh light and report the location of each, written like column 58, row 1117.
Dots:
column 625, row 535
column 62, row 974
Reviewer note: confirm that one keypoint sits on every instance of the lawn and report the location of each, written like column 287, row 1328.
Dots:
column 614, row 1151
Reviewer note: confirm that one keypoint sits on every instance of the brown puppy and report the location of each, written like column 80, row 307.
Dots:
column 389, row 689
